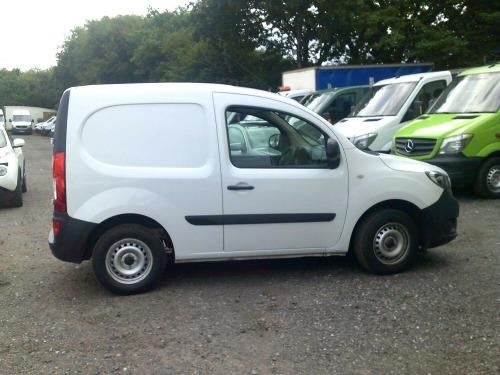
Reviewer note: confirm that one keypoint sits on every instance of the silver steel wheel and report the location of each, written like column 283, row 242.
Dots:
column 493, row 179
column 129, row 261
column 391, row 243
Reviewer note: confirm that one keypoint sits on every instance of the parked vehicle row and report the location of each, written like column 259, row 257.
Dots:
column 12, row 170
column 231, row 173
column 461, row 132
column 456, row 127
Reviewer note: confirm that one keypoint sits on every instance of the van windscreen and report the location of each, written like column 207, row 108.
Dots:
column 19, row 118
column 384, row 100
column 475, row 93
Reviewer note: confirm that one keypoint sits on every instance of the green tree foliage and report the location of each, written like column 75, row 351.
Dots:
column 101, row 51
column 233, row 34
column 450, row 33
column 32, row 88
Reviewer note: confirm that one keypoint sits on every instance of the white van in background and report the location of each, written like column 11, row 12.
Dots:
column 388, row 106
column 150, row 173
column 21, row 122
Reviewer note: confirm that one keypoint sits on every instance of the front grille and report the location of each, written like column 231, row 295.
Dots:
column 415, row 146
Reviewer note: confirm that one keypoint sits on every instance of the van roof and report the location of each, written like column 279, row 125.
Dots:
column 414, row 77
column 179, row 87
column 493, row 68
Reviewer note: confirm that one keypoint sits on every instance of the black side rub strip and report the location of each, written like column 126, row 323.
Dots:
column 258, row 219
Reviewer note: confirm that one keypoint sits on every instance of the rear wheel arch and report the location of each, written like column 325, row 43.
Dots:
column 132, row 219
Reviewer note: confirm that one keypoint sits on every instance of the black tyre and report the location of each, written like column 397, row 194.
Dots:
column 487, row 183
column 17, row 199
column 386, row 242
column 129, row 259
column 24, row 186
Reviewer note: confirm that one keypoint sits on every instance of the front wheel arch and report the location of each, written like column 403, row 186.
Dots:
column 407, row 207
column 486, row 181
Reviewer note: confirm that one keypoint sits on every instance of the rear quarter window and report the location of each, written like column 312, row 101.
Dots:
column 148, row 135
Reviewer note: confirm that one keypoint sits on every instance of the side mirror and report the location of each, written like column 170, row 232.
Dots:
column 10, row 120
column 18, row 142
column 418, row 107
column 274, row 141
column 333, row 153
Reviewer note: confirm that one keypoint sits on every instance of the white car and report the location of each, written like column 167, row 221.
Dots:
column 48, row 125
column 39, row 125
column 204, row 189
column 12, row 170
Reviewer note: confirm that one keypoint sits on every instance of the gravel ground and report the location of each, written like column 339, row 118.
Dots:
column 294, row 316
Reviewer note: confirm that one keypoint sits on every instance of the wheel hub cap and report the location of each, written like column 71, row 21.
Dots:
column 391, row 243
column 129, row 261
column 493, row 179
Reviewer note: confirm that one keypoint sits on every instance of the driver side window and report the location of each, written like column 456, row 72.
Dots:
column 271, row 139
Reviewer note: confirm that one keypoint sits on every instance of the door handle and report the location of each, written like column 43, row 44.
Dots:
column 240, row 187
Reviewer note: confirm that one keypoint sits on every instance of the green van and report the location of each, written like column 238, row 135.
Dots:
column 461, row 132
column 334, row 104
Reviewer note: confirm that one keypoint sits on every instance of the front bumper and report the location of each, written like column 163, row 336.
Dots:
column 70, row 244
column 439, row 221
column 461, row 169
column 25, row 130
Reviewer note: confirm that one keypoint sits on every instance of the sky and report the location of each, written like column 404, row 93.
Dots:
column 33, row 31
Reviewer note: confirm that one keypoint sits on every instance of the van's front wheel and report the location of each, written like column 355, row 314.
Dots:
column 487, row 184
column 129, row 259
column 386, row 242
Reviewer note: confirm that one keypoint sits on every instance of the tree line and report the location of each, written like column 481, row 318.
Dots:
column 251, row 42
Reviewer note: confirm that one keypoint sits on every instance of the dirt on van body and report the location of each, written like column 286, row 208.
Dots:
column 292, row 316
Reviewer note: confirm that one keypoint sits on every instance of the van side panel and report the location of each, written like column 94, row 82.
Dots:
column 155, row 156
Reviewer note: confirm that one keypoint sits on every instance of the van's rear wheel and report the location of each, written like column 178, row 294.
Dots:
column 129, row 259
column 487, row 184
column 386, row 242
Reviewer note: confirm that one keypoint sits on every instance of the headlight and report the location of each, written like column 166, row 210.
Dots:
column 3, row 170
column 363, row 141
column 456, row 144
column 441, row 180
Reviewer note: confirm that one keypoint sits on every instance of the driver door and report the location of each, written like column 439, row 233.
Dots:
column 279, row 195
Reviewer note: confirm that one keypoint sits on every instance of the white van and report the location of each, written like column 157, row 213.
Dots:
column 21, row 122
column 150, row 173
column 388, row 106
